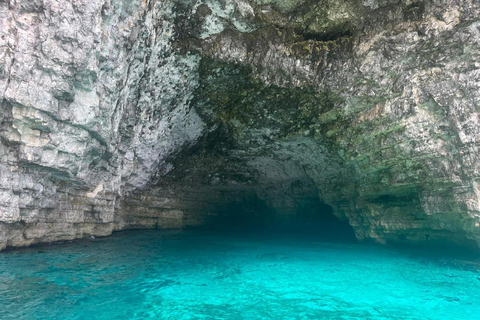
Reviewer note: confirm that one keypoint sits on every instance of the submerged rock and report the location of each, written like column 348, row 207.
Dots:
column 165, row 114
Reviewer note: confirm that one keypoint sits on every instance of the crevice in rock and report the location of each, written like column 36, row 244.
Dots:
column 414, row 10
column 329, row 36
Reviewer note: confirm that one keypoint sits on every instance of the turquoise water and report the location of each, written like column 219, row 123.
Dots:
column 197, row 275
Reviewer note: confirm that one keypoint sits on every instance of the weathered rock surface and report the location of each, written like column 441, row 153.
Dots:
column 155, row 114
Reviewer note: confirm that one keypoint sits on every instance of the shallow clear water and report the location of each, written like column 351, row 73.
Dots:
column 197, row 275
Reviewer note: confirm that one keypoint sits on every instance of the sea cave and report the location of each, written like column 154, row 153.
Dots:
column 239, row 159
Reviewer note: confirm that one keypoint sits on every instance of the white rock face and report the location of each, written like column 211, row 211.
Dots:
column 91, row 95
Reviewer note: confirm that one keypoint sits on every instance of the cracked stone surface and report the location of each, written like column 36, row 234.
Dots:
column 123, row 114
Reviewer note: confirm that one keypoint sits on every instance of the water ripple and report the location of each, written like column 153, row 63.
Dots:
column 194, row 275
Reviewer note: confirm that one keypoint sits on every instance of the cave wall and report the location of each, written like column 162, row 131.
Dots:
column 92, row 101
column 156, row 114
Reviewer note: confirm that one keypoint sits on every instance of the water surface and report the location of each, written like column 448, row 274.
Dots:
column 199, row 275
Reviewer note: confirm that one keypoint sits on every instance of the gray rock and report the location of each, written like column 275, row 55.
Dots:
column 163, row 114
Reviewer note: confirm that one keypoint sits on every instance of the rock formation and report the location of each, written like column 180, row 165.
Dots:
column 121, row 114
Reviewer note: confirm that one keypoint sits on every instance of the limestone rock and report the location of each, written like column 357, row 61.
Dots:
column 156, row 114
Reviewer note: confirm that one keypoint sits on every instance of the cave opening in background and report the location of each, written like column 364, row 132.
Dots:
column 296, row 216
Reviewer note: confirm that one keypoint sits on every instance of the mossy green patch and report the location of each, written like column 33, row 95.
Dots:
column 233, row 93
column 355, row 129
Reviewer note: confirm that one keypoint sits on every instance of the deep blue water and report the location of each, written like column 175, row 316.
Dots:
column 198, row 275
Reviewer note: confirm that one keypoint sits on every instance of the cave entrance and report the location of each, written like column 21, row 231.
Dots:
column 315, row 218
column 303, row 216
